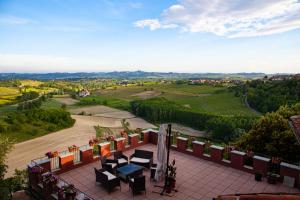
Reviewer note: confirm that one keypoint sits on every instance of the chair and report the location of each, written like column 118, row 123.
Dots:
column 107, row 180
column 109, row 164
column 142, row 158
column 121, row 159
column 153, row 170
column 137, row 184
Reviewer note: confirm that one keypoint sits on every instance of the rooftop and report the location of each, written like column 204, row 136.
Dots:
column 196, row 179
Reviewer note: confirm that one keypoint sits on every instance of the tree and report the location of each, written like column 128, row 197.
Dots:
column 6, row 145
column 125, row 125
column 273, row 136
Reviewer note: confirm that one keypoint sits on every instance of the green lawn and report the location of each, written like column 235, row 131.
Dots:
column 51, row 103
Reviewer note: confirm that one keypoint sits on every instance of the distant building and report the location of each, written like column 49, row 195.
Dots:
column 83, row 93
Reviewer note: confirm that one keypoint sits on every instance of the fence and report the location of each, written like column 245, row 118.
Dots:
column 44, row 192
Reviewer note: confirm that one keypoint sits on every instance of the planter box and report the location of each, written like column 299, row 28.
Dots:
column 66, row 161
column 216, row 153
column 133, row 140
column 182, row 144
column 104, row 149
column 198, row 148
column 119, row 144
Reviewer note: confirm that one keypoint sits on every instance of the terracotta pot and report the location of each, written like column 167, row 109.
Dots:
column 70, row 195
column 168, row 189
column 172, row 182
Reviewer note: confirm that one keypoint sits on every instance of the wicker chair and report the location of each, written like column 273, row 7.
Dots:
column 109, row 164
column 120, row 158
column 142, row 158
column 137, row 184
column 107, row 180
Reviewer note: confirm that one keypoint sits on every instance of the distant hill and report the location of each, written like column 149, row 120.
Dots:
column 125, row 75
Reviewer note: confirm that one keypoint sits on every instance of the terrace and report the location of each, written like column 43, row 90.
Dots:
column 199, row 175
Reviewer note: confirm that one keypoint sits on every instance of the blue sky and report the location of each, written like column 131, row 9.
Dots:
column 169, row 35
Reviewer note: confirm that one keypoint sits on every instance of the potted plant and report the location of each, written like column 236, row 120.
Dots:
column 91, row 143
column 272, row 178
column 258, row 175
column 72, row 148
column 49, row 182
column 171, row 176
column 52, row 154
column 70, row 192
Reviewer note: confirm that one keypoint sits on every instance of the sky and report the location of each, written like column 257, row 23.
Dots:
column 195, row 36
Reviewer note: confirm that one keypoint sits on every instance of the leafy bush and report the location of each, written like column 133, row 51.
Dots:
column 273, row 136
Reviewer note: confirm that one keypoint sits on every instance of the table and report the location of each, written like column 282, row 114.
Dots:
column 129, row 170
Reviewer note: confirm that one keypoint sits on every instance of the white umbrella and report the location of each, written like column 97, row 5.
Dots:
column 161, row 153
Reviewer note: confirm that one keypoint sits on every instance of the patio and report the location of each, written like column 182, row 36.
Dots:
column 196, row 179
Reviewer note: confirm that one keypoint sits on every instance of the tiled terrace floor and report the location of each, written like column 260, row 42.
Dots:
column 196, row 179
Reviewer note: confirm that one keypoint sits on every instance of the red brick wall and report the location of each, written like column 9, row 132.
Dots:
column 237, row 160
column 66, row 162
column 104, row 149
column 119, row 145
column 181, row 144
column 46, row 166
column 86, row 156
column 153, row 138
column 216, row 153
column 146, row 137
column 261, row 165
column 292, row 172
column 133, row 140
column 198, row 148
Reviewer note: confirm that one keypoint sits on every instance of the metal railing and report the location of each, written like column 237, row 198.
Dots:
column 61, row 183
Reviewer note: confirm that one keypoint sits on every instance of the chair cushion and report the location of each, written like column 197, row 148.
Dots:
column 139, row 160
column 113, row 165
column 122, row 160
column 109, row 175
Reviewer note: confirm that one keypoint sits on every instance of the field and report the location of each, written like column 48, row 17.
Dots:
column 8, row 94
column 204, row 98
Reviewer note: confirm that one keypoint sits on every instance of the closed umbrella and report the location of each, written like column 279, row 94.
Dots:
column 161, row 153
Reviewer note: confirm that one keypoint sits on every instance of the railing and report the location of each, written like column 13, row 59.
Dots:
column 77, row 158
column 54, row 163
column 61, row 183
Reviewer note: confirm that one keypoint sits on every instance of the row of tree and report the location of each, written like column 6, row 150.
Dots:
column 223, row 128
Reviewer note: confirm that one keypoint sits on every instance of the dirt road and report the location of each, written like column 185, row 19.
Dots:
column 82, row 131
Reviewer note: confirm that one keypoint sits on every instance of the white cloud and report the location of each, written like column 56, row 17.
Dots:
column 153, row 24
column 231, row 18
